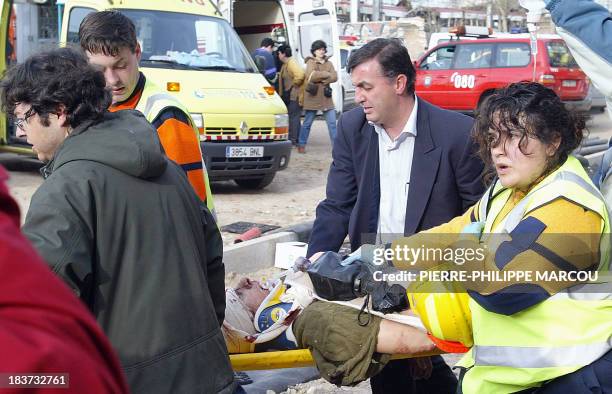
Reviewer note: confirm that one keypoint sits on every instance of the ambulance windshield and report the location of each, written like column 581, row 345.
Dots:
column 173, row 40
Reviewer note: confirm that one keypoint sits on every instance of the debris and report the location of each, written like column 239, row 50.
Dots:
column 241, row 227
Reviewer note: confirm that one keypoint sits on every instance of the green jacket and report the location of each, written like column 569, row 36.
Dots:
column 124, row 229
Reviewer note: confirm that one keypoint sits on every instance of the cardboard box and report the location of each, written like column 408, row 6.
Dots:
column 288, row 252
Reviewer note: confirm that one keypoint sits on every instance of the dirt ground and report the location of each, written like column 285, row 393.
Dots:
column 290, row 199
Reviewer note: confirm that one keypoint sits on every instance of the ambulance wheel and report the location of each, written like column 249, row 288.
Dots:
column 256, row 183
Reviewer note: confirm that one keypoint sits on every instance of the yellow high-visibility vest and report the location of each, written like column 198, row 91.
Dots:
column 152, row 102
column 559, row 335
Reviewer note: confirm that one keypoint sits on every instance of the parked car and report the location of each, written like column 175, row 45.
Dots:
column 598, row 101
column 348, row 90
column 459, row 74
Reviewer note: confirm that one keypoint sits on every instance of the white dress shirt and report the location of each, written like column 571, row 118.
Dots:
column 395, row 159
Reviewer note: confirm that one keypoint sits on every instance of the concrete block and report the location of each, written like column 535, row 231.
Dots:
column 302, row 230
column 255, row 254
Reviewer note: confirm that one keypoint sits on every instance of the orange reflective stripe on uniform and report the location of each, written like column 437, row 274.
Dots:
column 183, row 147
column 177, row 135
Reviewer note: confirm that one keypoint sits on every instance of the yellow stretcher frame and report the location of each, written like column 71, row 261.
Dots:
column 292, row 359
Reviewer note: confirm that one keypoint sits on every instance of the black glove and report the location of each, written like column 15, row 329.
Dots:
column 335, row 282
column 331, row 280
column 385, row 298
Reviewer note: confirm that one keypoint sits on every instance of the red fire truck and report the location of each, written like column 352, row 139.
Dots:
column 460, row 73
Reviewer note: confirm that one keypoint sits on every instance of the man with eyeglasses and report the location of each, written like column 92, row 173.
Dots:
column 122, row 226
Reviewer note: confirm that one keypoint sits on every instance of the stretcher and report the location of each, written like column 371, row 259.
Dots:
column 291, row 359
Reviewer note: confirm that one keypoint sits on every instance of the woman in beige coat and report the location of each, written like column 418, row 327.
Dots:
column 317, row 93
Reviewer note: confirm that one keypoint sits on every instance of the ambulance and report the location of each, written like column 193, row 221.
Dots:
column 312, row 20
column 190, row 50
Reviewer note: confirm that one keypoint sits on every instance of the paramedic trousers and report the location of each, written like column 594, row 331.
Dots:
column 395, row 378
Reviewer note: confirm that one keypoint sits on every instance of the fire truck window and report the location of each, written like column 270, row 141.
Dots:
column 440, row 59
column 559, row 55
column 512, row 54
column 474, row 56
column 77, row 14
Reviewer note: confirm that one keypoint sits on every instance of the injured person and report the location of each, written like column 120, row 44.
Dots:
column 347, row 343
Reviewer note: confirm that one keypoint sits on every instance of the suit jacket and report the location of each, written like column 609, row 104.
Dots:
column 444, row 182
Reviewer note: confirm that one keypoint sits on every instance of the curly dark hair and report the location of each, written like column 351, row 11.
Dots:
column 285, row 50
column 392, row 56
column 107, row 32
column 317, row 44
column 61, row 77
column 532, row 110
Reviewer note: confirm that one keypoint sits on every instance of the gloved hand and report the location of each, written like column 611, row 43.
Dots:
column 386, row 298
column 331, row 280
column 471, row 230
column 370, row 254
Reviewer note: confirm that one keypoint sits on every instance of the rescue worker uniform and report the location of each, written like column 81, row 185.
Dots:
column 178, row 136
column 526, row 334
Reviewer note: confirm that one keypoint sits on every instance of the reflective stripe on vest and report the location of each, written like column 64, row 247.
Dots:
column 559, row 335
column 151, row 104
column 538, row 357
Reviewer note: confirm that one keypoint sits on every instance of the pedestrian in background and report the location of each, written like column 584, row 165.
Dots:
column 291, row 78
column 122, row 226
column 264, row 56
column 317, row 93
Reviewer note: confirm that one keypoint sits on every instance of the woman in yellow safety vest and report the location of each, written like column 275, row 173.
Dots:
column 539, row 311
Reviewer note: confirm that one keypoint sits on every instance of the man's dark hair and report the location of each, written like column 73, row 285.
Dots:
column 285, row 50
column 107, row 32
column 267, row 42
column 317, row 44
column 392, row 56
column 61, row 77
column 533, row 111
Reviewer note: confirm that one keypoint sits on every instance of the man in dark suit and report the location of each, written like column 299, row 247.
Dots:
column 400, row 165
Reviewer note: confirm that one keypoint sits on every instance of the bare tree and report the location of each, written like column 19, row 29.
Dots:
column 500, row 7
column 503, row 9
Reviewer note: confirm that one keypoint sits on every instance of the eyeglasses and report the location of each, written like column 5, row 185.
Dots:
column 20, row 122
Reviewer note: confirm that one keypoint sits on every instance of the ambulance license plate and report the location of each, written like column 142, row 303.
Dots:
column 569, row 83
column 244, row 151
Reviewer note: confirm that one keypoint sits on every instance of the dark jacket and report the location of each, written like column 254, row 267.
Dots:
column 43, row 327
column 445, row 179
column 123, row 227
